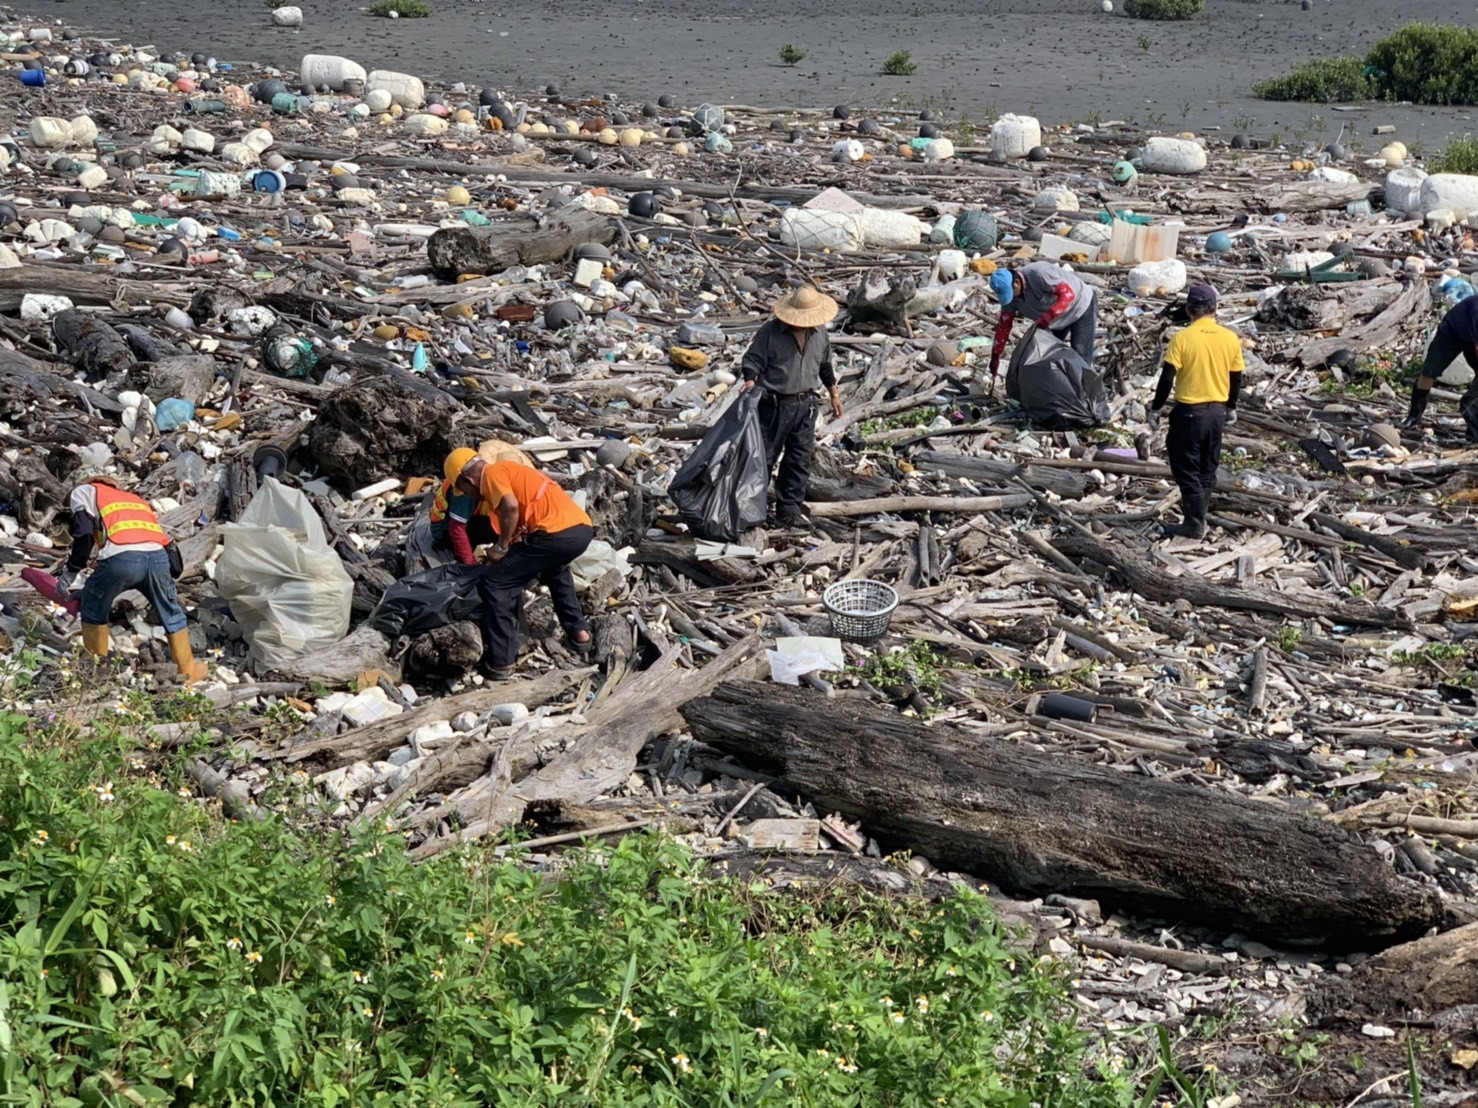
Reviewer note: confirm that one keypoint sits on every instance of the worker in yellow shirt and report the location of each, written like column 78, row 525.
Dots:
column 540, row 532
column 1204, row 366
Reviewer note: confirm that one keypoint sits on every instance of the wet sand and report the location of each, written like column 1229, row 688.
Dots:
column 1061, row 60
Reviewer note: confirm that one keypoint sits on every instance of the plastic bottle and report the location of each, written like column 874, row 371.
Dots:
column 419, row 361
column 189, row 467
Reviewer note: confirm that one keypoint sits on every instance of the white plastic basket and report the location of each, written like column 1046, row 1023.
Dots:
column 860, row 609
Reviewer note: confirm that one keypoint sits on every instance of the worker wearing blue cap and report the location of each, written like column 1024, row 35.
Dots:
column 1056, row 298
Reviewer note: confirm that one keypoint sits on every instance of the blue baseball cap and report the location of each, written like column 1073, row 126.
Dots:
column 1000, row 284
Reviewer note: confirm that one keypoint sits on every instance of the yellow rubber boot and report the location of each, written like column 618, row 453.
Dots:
column 184, row 659
column 95, row 638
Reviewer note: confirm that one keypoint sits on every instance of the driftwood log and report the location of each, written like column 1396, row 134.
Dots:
column 457, row 250
column 1153, row 583
column 1415, row 980
column 1042, row 823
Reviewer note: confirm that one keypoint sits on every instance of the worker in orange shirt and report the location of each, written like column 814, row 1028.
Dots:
column 133, row 552
column 540, row 532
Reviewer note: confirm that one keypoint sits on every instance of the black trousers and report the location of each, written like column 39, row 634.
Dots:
column 789, row 427
column 541, row 557
column 1193, row 448
column 1441, row 354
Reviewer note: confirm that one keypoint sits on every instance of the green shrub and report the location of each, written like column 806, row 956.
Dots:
column 791, row 54
column 1322, row 80
column 1162, row 9
column 900, row 64
column 1422, row 62
column 1461, row 156
column 1428, row 64
column 405, row 9
column 151, row 953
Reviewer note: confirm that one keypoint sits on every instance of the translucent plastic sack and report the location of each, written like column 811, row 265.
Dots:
column 285, row 584
column 722, row 488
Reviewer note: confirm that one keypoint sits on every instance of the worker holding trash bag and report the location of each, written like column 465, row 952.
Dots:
column 1457, row 335
column 133, row 552
column 540, row 531
column 1055, row 298
column 789, row 359
column 1204, row 365
column 459, row 522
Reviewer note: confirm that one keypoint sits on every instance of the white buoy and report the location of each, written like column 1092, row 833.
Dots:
column 1106, row 7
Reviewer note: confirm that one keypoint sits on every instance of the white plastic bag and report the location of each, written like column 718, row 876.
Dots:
column 285, row 584
column 600, row 558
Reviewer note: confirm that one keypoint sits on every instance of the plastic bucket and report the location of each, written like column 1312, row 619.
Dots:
column 33, row 78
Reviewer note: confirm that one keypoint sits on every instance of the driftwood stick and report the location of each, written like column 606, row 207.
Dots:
column 1002, row 503
column 1186, row 961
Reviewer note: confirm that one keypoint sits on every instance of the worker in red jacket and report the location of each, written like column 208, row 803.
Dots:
column 460, row 522
column 1056, row 298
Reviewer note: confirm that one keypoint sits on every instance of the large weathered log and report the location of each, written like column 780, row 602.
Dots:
column 1415, row 980
column 381, row 427
column 1380, row 331
column 1308, row 196
column 83, row 287
column 1040, row 822
column 456, row 250
column 1155, row 584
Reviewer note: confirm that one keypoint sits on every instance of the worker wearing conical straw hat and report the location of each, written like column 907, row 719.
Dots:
column 790, row 359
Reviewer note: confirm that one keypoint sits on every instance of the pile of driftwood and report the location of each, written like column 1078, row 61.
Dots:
column 1275, row 742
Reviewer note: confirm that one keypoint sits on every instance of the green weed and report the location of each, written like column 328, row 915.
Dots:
column 404, row 9
column 1461, row 156
column 1163, row 9
column 900, row 64
column 792, row 55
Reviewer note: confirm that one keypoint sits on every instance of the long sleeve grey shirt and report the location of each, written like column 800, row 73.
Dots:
column 777, row 364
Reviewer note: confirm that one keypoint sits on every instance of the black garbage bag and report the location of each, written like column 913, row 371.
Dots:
column 1056, row 388
column 426, row 601
column 722, row 488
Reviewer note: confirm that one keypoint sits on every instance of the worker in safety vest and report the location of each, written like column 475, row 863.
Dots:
column 540, row 532
column 132, row 553
column 460, row 522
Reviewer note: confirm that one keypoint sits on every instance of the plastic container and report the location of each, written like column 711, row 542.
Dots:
column 1404, row 190
column 1062, row 706
column 1056, row 200
column 268, row 180
column 331, row 70
column 287, row 17
column 860, row 609
column 701, row 334
column 1173, row 156
column 884, row 230
column 940, row 150
column 50, row 132
column 1456, row 192
column 943, row 233
column 952, row 264
column 217, row 186
column 426, row 126
column 1013, row 136
column 806, row 229
column 407, row 91
column 1333, row 176
column 1158, row 278
column 848, row 150
column 33, row 78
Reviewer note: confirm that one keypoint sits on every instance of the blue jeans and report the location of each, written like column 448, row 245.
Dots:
column 145, row 570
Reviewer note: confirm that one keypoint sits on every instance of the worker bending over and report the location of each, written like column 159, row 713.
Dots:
column 459, row 523
column 540, row 532
column 1056, row 298
column 1456, row 334
column 133, row 552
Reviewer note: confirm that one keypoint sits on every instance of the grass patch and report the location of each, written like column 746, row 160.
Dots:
column 900, row 64
column 401, row 9
column 791, row 54
column 1425, row 63
column 1461, row 156
column 152, row 952
column 1162, row 9
column 914, row 417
